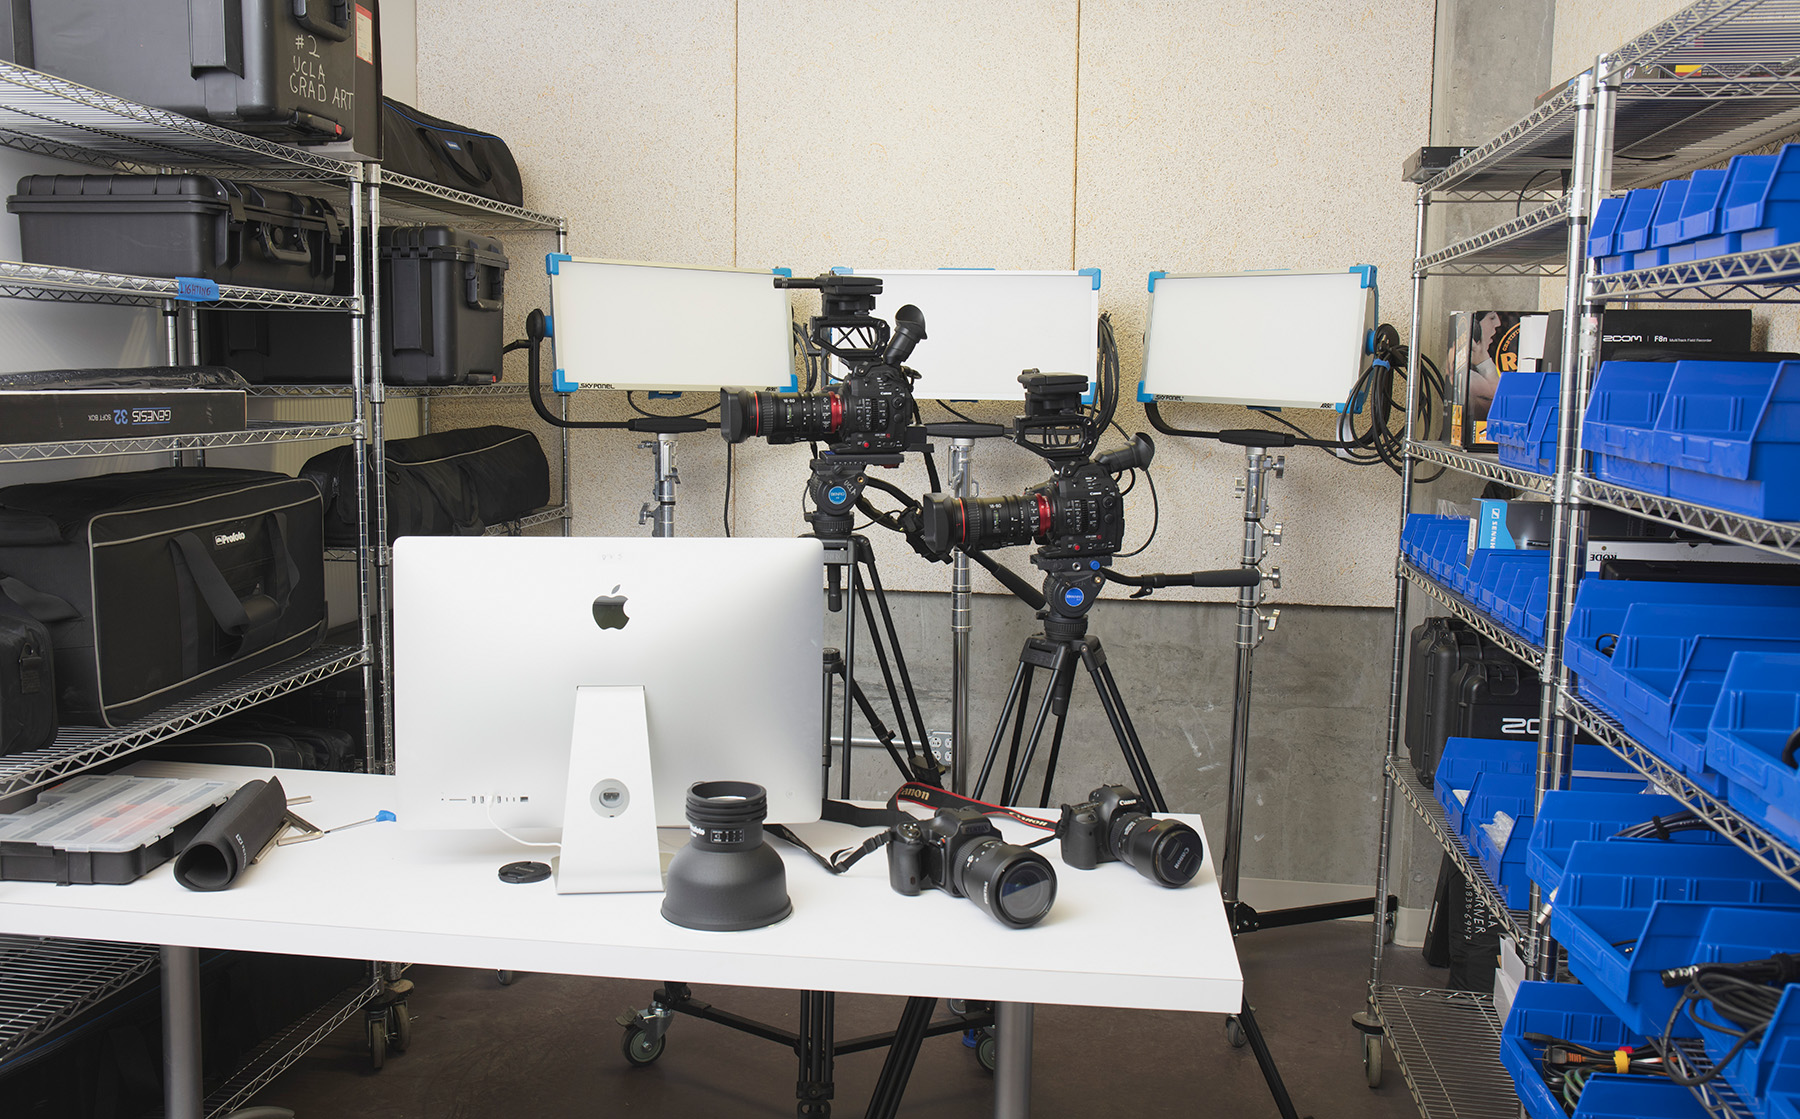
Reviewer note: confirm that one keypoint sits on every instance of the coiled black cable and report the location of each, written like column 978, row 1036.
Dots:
column 1744, row 995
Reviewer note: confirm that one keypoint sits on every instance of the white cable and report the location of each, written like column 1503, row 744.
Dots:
column 495, row 824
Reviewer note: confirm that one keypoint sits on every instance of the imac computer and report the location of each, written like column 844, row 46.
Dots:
column 584, row 683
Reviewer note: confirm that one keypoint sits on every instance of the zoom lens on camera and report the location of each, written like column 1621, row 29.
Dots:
column 959, row 851
column 1113, row 826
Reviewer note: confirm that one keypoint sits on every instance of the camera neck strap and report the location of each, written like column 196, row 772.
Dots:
column 885, row 817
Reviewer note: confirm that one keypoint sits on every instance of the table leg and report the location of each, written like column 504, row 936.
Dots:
column 183, row 1091
column 1012, row 1061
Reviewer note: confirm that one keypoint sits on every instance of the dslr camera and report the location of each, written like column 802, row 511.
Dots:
column 960, row 852
column 1114, row 826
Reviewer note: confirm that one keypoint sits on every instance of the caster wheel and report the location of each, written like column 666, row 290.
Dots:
column 987, row 1051
column 505, row 978
column 638, row 1047
column 378, row 1044
column 399, row 1027
column 1234, row 1033
column 1371, row 1045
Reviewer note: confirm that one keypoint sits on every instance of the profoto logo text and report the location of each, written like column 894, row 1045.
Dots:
column 225, row 538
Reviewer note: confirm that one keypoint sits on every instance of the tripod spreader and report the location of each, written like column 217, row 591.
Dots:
column 1148, row 584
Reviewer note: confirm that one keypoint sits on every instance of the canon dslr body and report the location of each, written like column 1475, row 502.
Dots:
column 960, row 852
column 1115, row 826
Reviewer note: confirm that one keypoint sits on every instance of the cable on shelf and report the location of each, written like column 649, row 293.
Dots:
column 1744, row 995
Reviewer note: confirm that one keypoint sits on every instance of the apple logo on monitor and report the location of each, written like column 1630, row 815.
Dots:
column 609, row 610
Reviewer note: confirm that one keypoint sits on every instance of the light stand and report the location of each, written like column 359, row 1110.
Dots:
column 961, row 600
column 662, row 511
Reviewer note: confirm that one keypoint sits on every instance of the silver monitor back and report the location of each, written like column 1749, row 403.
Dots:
column 492, row 635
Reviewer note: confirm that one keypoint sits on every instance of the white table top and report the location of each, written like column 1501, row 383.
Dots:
column 381, row 892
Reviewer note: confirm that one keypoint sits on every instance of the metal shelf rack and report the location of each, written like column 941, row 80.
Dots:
column 1716, row 79
column 1514, row 922
column 1447, row 1044
column 47, row 982
column 278, row 1053
column 78, row 748
column 1474, row 615
column 257, row 432
column 1480, row 466
column 1780, row 537
column 1776, row 854
column 51, row 116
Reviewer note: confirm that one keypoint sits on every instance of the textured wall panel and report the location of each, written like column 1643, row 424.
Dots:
column 1224, row 137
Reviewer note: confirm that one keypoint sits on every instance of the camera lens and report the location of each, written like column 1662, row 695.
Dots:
column 778, row 417
column 979, row 523
column 1165, row 851
column 1015, row 885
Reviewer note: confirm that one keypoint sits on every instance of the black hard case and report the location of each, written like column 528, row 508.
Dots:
column 180, row 225
column 451, row 483
column 442, row 294
column 175, row 580
column 27, row 680
column 421, row 146
column 1496, row 697
column 283, row 69
column 1440, row 647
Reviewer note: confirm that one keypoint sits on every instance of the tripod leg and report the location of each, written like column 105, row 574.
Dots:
column 1021, row 685
column 1271, row 1074
column 1129, row 745
column 1059, row 666
column 903, row 1051
column 1056, row 738
column 893, row 637
column 881, row 732
column 887, row 673
column 814, row 1047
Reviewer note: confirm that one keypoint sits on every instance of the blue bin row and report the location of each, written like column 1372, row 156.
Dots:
column 1481, row 780
column 1753, row 738
column 1718, row 433
column 1751, row 203
column 1655, row 656
column 1510, row 585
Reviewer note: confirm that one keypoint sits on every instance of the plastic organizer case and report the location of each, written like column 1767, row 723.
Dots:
column 1625, row 921
column 1730, row 434
column 1570, row 1012
column 109, row 829
column 1747, row 739
column 1567, row 816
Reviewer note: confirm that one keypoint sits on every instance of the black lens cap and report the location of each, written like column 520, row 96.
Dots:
column 520, row 873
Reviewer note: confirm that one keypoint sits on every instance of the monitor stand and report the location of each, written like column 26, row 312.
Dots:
column 609, row 812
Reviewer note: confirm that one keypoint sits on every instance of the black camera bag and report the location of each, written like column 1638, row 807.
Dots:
column 159, row 584
column 451, row 483
column 27, row 680
column 421, row 146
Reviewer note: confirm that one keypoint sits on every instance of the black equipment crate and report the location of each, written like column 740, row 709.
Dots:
column 1439, row 648
column 284, row 69
column 180, row 225
column 442, row 296
column 159, row 584
column 449, row 483
column 1496, row 697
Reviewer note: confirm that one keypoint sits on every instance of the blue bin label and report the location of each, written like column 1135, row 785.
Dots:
column 196, row 290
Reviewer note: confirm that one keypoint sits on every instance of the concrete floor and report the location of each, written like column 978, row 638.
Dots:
column 547, row 1046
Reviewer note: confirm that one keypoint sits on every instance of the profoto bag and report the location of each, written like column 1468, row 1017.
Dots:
column 452, row 483
column 159, row 584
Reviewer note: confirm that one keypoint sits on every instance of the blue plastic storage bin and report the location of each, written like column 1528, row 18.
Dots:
column 1502, row 855
column 1766, row 210
column 1600, row 606
column 1624, row 921
column 1522, row 421
column 1745, row 178
column 1492, row 575
column 1562, row 1010
column 1700, row 211
column 1537, row 603
column 1730, row 434
column 1416, row 536
column 1567, row 817
column 1633, row 233
column 1665, row 218
column 1619, row 428
column 1465, row 759
column 1605, row 225
column 1757, row 711
column 1749, row 934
